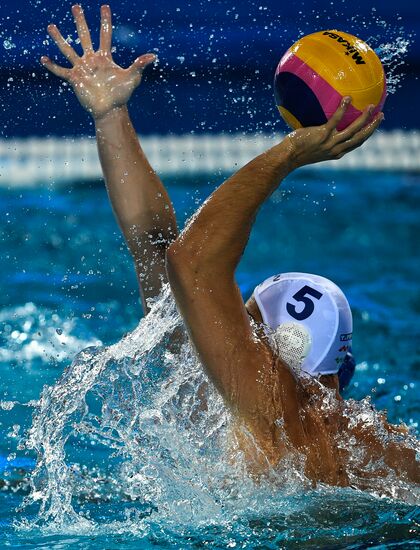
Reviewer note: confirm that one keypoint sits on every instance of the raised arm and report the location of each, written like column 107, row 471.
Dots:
column 139, row 200
column 202, row 262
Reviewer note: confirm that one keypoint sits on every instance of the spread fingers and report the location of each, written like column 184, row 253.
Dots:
column 62, row 72
column 62, row 44
column 141, row 62
column 82, row 28
column 106, row 29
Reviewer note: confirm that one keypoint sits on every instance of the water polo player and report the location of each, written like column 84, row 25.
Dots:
column 306, row 323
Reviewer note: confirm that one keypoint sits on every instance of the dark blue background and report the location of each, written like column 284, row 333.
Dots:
column 217, row 60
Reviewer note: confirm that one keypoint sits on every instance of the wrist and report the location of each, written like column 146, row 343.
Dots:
column 110, row 116
column 293, row 151
column 283, row 157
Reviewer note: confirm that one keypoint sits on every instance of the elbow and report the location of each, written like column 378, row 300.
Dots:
column 172, row 257
column 179, row 267
column 185, row 264
column 196, row 263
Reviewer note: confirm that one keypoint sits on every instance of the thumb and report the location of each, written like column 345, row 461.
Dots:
column 141, row 62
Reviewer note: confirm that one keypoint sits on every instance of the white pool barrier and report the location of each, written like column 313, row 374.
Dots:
column 36, row 161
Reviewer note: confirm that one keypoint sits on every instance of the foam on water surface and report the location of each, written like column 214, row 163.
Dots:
column 132, row 437
column 124, row 449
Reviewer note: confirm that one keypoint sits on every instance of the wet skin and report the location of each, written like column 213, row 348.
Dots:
column 283, row 414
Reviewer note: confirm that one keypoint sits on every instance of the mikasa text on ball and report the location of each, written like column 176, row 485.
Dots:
column 319, row 70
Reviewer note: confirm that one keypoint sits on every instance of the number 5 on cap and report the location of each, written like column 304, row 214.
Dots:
column 309, row 306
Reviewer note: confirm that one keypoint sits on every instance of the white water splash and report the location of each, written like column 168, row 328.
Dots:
column 30, row 332
column 132, row 437
column 392, row 55
column 127, row 397
column 393, row 50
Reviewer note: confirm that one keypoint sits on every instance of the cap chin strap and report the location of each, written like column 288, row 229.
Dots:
column 346, row 372
column 292, row 343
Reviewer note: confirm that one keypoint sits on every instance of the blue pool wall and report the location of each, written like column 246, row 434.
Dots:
column 217, row 59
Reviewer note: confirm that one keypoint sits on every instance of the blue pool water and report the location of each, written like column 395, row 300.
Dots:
column 67, row 283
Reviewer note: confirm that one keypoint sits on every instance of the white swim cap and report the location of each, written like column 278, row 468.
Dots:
column 320, row 307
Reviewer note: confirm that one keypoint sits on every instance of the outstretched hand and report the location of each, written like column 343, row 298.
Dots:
column 100, row 84
column 318, row 143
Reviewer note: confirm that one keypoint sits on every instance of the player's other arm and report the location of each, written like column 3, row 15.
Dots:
column 139, row 200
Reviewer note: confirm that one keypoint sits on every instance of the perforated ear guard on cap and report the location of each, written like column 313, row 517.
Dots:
column 293, row 343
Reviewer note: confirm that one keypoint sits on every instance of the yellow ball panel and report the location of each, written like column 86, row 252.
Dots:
column 290, row 120
column 347, row 63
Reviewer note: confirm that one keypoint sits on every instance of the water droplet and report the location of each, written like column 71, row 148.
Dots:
column 8, row 44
